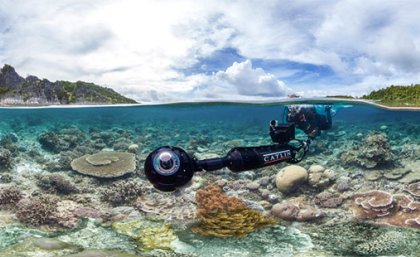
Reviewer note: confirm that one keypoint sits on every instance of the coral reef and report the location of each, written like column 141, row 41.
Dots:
column 36, row 152
column 211, row 198
column 105, row 164
column 63, row 140
column 101, row 253
column 6, row 178
column 37, row 211
column 168, row 207
column 328, row 200
column 319, row 177
column 273, row 241
column 414, row 190
column 56, row 183
column 64, row 214
column 289, row 177
column 221, row 215
column 5, row 159
column 385, row 208
column 156, row 238
column 373, row 152
column 93, row 235
column 10, row 195
column 122, row 192
column 148, row 235
column 49, row 141
column 385, row 244
column 292, row 212
column 34, row 246
column 362, row 239
column 8, row 142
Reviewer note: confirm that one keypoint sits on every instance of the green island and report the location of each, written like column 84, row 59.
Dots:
column 396, row 96
column 16, row 90
column 392, row 96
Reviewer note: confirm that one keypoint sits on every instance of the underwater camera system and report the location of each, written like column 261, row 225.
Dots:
column 169, row 168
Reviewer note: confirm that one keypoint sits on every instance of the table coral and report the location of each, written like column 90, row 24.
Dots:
column 221, row 215
column 414, row 190
column 385, row 208
column 105, row 164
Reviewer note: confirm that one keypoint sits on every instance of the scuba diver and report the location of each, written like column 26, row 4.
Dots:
column 170, row 167
column 306, row 118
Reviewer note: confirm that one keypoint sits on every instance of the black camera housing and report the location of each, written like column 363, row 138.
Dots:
column 282, row 133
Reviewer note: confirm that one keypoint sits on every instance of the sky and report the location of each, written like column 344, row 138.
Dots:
column 188, row 50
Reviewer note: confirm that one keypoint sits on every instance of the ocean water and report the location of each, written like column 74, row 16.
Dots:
column 368, row 149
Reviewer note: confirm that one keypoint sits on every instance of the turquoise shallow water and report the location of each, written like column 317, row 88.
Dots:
column 359, row 163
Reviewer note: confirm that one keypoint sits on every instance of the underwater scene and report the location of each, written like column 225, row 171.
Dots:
column 73, row 183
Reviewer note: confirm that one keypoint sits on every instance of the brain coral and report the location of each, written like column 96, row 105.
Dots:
column 105, row 164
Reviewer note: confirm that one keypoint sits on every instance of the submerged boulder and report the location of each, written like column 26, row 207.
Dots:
column 105, row 164
column 289, row 177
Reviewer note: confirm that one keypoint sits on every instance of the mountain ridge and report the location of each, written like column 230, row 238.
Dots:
column 16, row 90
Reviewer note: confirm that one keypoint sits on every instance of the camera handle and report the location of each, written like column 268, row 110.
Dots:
column 168, row 168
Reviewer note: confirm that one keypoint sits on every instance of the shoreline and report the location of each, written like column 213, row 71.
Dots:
column 256, row 102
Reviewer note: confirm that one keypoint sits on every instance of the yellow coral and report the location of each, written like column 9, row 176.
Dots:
column 148, row 235
column 222, row 216
column 156, row 238
column 128, row 228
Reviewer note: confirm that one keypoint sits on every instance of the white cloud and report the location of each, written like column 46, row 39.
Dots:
column 240, row 81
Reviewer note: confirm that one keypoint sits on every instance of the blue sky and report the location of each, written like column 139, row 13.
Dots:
column 186, row 50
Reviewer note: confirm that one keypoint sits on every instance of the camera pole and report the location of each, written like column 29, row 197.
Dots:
column 168, row 168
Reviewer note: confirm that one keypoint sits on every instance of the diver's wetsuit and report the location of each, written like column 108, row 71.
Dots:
column 308, row 120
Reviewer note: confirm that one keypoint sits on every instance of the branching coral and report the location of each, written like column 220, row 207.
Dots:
column 10, row 195
column 5, row 158
column 122, row 192
column 373, row 152
column 388, row 209
column 57, row 183
column 221, row 215
column 37, row 211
